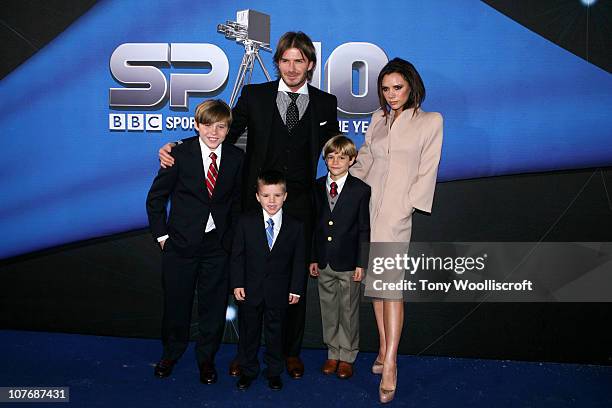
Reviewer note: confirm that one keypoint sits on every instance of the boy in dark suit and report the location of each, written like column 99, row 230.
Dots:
column 340, row 253
column 204, row 192
column 267, row 275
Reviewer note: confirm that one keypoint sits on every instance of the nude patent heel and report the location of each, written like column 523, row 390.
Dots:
column 377, row 367
column 387, row 395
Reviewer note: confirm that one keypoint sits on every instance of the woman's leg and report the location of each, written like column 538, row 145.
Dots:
column 393, row 313
column 380, row 324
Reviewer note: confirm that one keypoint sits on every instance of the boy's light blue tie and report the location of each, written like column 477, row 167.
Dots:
column 270, row 232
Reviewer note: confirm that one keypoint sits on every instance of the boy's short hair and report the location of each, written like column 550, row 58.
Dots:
column 212, row 111
column 340, row 144
column 269, row 177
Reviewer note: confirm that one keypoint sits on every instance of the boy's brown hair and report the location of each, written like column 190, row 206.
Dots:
column 340, row 144
column 269, row 177
column 213, row 111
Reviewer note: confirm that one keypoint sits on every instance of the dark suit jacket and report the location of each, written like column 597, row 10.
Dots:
column 348, row 225
column 255, row 111
column 184, row 185
column 268, row 275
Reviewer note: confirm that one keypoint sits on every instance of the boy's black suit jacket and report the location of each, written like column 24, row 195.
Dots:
column 184, row 184
column 268, row 275
column 348, row 226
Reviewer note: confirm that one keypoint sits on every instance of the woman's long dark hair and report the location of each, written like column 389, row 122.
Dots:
column 411, row 75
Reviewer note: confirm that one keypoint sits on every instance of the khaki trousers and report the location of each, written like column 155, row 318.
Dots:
column 339, row 297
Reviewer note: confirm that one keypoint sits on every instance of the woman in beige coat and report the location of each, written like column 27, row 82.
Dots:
column 399, row 160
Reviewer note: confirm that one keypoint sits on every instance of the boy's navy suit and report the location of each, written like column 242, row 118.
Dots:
column 348, row 226
column 268, row 276
column 192, row 258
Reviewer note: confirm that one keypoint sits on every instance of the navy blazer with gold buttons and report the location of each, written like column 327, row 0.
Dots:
column 341, row 236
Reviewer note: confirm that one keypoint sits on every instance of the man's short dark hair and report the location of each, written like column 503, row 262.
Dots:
column 302, row 42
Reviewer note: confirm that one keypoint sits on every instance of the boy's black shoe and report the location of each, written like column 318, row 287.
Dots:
column 208, row 374
column 164, row 368
column 275, row 383
column 244, row 382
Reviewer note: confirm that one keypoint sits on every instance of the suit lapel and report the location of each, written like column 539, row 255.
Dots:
column 281, row 234
column 269, row 107
column 314, row 127
column 321, row 190
column 196, row 155
column 226, row 162
column 259, row 227
column 346, row 190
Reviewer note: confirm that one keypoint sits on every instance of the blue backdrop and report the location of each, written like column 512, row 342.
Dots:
column 512, row 102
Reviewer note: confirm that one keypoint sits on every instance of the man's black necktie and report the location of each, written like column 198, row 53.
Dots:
column 292, row 116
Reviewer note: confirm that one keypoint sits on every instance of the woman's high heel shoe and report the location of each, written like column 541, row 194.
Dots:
column 377, row 367
column 387, row 395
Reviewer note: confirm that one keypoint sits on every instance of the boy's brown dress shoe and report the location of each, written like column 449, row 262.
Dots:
column 329, row 367
column 345, row 370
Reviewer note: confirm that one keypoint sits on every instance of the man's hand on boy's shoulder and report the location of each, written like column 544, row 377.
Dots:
column 165, row 158
column 358, row 274
column 293, row 299
column 239, row 293
column 314, row 269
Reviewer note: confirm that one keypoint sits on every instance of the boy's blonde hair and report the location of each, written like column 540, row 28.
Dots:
column 212, row 111
column 340, row 144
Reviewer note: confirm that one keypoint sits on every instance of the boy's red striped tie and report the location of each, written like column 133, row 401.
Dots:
column 211, row 176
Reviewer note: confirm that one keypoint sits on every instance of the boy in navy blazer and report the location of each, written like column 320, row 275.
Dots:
column 340, row 253
column 267, row 275
column 203, row 188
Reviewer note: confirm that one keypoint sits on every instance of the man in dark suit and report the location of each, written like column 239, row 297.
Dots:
column 266, row 276
column 204, row 192
column 288, row 123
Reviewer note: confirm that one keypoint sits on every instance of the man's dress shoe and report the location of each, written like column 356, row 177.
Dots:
column 234, row 368
column 295, row 367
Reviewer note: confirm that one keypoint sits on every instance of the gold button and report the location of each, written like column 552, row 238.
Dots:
column 331, row 222
column 329, row 238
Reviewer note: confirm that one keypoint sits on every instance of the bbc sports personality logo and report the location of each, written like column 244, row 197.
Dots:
column 146, row 89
